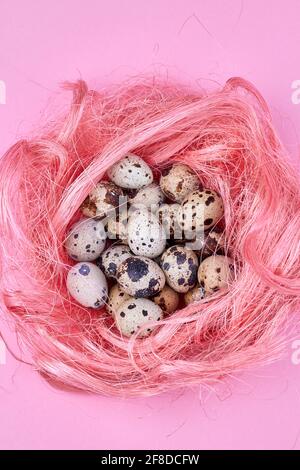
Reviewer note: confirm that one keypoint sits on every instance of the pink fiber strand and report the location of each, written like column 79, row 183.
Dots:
column 228, row 139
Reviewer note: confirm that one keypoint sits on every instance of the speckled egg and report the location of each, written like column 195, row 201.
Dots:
column 133, row 314
column 86, row 240
column 167, row 300
column 132, row 172
column 146, row 236
column 117, row 225
column 194, row 295
column 201, row 210
column 180, row 267
column 216, row 273
column 103, row 199
column 140, row 277
column 111, row 259
column 207, row 243
column 169, row 215
column 150, row 196
column 115, row 299
column 178, row 181
column 87, row 284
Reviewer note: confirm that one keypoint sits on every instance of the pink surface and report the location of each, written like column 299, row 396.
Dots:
column 44, row 43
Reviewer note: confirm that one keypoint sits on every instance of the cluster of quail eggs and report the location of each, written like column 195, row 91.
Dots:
column 144, row 248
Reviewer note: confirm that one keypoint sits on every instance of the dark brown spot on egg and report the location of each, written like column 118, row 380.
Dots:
column 145, row 313
column 208, row 221
column 90, row 205
column 136, row 268
column 209, row 200
column 131, row 306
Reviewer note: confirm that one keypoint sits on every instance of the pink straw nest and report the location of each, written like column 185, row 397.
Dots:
column 228, row 139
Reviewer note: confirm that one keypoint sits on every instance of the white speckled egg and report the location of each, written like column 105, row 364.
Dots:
column 140, row 277
column 180, row 267
column 150, row 196
column 86, row 283
column 170, row 215
column 167, row 300
column 216, row 273
column 86, row 240
column 116, row 298
column 194, row 295
column 177, row 181
column 135, row 313
column 132, row 172
column 201, row 210
column 103, row 199
column 146, row 236
column 110, row 260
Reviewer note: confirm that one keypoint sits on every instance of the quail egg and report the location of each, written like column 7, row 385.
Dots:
column 87, row 284
column 201, row 210
column 111, row 258
column 180, row 267
column 216, row 273
column 115, row 299
column 146, row 236
column 132, row 172
column 86, row 240
column 133, row 314
column 167, row 299
column 103, row 199
column 150, row 196
column 178, row 181
column 140, row 277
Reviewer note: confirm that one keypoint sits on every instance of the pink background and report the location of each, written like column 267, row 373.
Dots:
column 45, row 42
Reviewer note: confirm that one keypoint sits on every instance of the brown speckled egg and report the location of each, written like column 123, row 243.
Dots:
column 180, row 267
column 216, row 273
column 111, row 258
column 194, row 295
column 86, row 283
column 140, row 277
column 177, row 181
column 146, row 236
column 132, row 172
column 167, row 299
column 150, row 196
column 115, row 299
column 86, row 240
column 135, row 313
column 201, row 210
column 103, row 199
column 169, row 215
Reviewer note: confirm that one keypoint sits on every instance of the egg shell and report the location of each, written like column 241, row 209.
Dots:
column 201, row 210
column 194, row 295
column 177, row 181
column 167, row 299
column 180, row 266
column 103, row 199
column 134, row 314
column 146, row 236
column 170, row 216
column 140, row 277
column 115, row 299
column 150, row 196
column 216, row 273
column 87, row 284
column 86, row 240
column 132, row 172
column 111, row 259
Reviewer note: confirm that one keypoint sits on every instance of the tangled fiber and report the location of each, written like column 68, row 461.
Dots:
column 228, row 139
